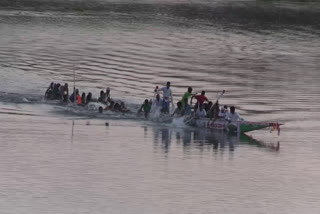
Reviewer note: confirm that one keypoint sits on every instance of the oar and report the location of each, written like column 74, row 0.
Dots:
column 74, row 84
column 221, row 94
column 194, row 115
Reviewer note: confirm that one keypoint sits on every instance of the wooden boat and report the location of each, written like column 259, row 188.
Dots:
column 239, row 126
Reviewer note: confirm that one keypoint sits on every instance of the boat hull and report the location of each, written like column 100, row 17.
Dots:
column 224, row 125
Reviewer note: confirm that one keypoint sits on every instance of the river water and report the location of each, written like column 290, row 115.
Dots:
column 57, row 159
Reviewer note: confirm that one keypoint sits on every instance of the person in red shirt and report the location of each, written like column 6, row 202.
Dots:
column 200, row 100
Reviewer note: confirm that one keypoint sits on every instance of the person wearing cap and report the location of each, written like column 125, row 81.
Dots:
column 167, row 97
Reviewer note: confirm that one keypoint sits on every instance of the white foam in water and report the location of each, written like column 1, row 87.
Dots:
column 25, row 100
column 155, row 114
column 178, row 122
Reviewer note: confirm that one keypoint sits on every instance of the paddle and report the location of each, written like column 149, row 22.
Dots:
column 74, row 85
column 221, row 94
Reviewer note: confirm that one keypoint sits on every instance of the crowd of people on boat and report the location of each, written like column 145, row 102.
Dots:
column 203, row 108
column 56, row 91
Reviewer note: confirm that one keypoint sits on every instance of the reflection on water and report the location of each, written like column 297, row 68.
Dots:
column 204, row 139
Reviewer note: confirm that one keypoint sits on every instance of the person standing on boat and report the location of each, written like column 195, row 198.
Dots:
column 107, row 96
column 233, row 116
column 156, row 104
column 186, row 97
column 167, row 97
column 200, row 99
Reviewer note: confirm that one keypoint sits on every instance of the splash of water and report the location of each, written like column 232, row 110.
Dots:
column 178, row 122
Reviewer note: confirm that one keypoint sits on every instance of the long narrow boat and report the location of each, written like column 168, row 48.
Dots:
column 241, row 126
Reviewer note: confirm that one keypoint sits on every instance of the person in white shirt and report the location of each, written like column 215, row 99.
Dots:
column 156, row 104
column 223, row 112
column 167, row 97
column 233, row 116
column 201, row 112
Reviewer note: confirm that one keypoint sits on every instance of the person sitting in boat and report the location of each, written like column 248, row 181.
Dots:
column 123, row 108
column 49, row 91
column 233, row 116
column 111, row 106
column 215, row 110
column 102, row 98
column 89, row 98
column 200, row 100
column 223, row 111
column 157, row 104
column 179, row 111
column 83, row 99
column 209, row 107
column 116, row 107
column 145, row 107
column 80, row 100
column 56, row 92
column 186, row 97
column 100, row 109
column 201, row 112
column 72, row 96
column 167, row 97
column 187, row 107
column 64, row 92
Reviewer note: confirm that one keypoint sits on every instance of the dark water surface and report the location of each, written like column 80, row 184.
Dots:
column 57, row 159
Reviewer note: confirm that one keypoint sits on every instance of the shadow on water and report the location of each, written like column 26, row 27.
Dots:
column 204, row 140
